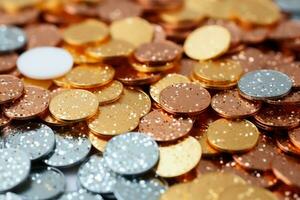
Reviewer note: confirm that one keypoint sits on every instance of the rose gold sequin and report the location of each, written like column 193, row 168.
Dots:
column 34, row 102
column 286, row 30
column 164, row 127
column 293, row 98
column 8, row 62
column 184, row 98
column 285, row 145
column 3, row 119
column 11, row 88
column 20, row 18
column 294, row 136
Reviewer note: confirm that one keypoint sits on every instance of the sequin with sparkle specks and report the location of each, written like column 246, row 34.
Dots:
column 80, row 195
column 11, row 38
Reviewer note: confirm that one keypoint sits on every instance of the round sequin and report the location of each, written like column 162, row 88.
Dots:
column 109, row 93
column 293, row 98
column 178, row 159
column 114, row 119
column 263, row 84
column 43, row 183
column 230, row 104
column 86, row 76
column 74, row 105
column 10, row 196
column 164, row 127
column 95, row 176
column 34, row 101
column 184, row 98
column 97, row 141
column 88, row 31
column 286, row 146
column 11, row 88
column 136, row 99
column 8, row 62
column 15, row 168
column 3, row 119
column 12, row 38
column 143, row 189
column 232, row 136
column 294, row 136
column 46, row 84
column 178, row 192
column 279, row 116
column 157, row 52
column 139, row 153
column 207, row 42
column 168, row 80
column 36, row 139
column 72, row 146
column 80, row 195
column 53, row 62
column 260, row 157
column 245, row 192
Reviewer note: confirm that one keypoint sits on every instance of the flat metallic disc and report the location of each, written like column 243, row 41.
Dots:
column 264, row 84
column 131, row 153
column 293, row 98
column 11, row 88
column 14, row 168
column 142, row 189
column 294, row 136
column 11, row 38
column 80, row 195
column 96, row 177
column 8, row 62
column 10, row 196
column 36, row 139
column 72, row 146
column 43, row 184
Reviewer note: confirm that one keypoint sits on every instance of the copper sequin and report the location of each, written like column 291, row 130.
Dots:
column 8, row 62
column 11, row 88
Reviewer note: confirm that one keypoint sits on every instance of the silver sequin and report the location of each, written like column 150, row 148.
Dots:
column 11, row 38
column 80, row 195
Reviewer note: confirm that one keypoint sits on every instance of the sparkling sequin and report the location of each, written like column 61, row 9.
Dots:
column 80, row 195
column 12, row 38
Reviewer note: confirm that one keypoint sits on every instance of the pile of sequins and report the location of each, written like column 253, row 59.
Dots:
column 149, row 100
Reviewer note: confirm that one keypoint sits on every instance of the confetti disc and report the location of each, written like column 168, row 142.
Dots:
column 114, row 119
column 168, row 80
column 88, row 31
column 42, row 35
column 109, row 93
column 147, row 68
column 136, row 99
column 164, row 127
column 79, row 55
column 44, row 63
column 74, row 105
column 11, row 88
column 207, row 42
column 86, row 76
column 79, row 195
column 134, row 30
column 293, row 98
column 10, row 196
column 43, row 183
column 8, row 62
column 264, row 84
column 72, row 146
column 143, row 189
column 246, row 192
column 232, row 136
column 286, row 30
column 278, row 116
column 230, row 104
column 178, row 159
column 139, row 153
column 40, row 137
column 21, row 17
column 46, row 84
column 260, row 157
column 157, row 52
column 15, row 168
column 98, row 142
column 95, row 176
column 3, row 119
column 12, row 38
column 294, row 136
column 178, row 192
column 292, row 70
column 34, row 101
column 286, row 146
column 287, row 170
column 184, row 98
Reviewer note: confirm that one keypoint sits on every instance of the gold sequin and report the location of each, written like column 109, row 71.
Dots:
column 109, row 93
column 40, row 83
column 98, row 142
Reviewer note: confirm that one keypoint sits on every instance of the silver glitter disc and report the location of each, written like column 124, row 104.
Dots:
column 264, row 84
column 14, row 168
column 96, row 177
column 43, row 183
column 80, row 195
column 11, row 38
column 142, row 189
column 10, row 196
column 131, row 153
column 36, row 139
column 72, row 147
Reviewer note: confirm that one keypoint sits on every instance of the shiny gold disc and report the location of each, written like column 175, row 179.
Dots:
column 151, row 69
column 168, row 80
column 134, row 30
column 79, row 55
column 98, row 142
column 178, row 159
column 88, row 76
column 178, row 192
column 114, row 119
column 109, row 93
column 88, row 31
column 62, row 82
column 232, row 136
column 40, row 83
column 74, row 105
column 207, row 42
column 16, row 5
